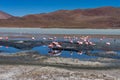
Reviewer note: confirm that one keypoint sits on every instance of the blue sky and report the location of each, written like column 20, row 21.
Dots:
column 23, row 7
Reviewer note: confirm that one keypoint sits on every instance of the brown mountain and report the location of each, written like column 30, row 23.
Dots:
column 104, row 17
column 4, row 15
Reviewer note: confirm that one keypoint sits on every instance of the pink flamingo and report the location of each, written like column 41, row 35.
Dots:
column 1, row 38
column 108, row 43
column 33, row 38
column 80, row 52
column 6, row 38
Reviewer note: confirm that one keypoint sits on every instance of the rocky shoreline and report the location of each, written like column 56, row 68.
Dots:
column 22, row 72
column 30, row 65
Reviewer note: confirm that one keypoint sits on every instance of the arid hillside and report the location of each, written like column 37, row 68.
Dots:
column 4, row 15
column 104, row 17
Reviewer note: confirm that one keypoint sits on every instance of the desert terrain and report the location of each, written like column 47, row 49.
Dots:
column 100, row 18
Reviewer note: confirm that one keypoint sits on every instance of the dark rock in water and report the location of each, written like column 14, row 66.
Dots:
column 25, row 45
column 0, row 51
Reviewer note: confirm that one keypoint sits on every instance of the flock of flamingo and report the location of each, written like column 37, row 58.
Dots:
column 83, row 40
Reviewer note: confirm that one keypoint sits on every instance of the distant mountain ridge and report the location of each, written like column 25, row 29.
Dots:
column 4, row 15
column 104, row 17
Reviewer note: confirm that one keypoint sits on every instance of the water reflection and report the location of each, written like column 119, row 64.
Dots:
column 8, row 49
column 42, row 49
column 65, row 46
column 45, row 50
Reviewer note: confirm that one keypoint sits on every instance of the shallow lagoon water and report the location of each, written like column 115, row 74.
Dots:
column 7, row 49
column 44, row 49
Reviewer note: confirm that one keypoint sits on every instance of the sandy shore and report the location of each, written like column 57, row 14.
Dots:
column 21, row 72
column 32, row 66
column 29, row 35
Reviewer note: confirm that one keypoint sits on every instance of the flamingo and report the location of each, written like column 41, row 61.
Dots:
column 57, row 44
column 91, row 43
column 50, row 38
column 86, row 43
column 51, row 45
column 33, row 38
column 44, row 38
column 71, row 41
column 1, row 38
column 55, row 53
column 108, row 43
column 7, row 47
column 79, row 42
column 101, row 39
column 6, row 38
column 80, row 52
column 65, row 37
column 55, row 37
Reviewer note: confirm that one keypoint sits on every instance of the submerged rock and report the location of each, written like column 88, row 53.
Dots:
column 29, row 52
